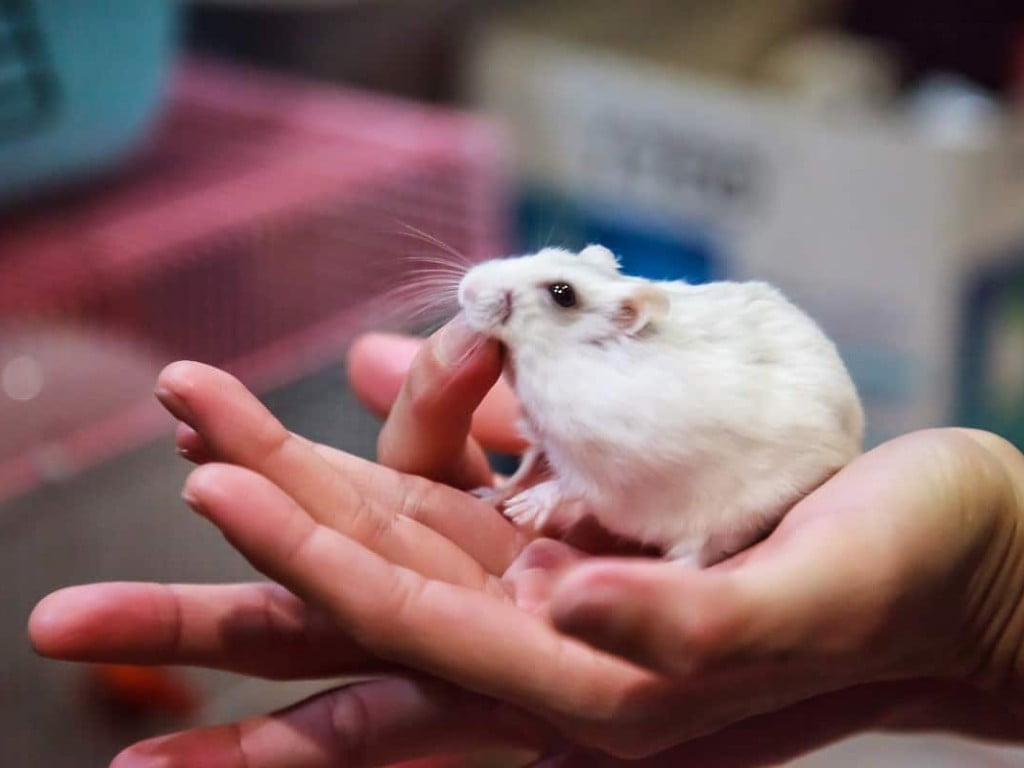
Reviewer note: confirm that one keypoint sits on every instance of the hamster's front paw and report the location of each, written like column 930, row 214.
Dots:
column 534, row 507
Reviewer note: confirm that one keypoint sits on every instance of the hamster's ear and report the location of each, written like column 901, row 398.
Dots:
column 600, row 257
column 643, row 305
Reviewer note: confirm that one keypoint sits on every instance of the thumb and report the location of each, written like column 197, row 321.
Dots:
column 663, row 616
column 867, row 572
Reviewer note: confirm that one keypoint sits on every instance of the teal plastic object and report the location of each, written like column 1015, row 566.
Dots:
column 80, row 84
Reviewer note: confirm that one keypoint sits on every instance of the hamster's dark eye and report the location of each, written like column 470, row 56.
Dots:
column 563, row 294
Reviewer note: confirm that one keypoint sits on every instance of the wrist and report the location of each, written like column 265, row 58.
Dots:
column 994, row 616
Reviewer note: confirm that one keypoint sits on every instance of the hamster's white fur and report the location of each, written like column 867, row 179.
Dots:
column 688, row 417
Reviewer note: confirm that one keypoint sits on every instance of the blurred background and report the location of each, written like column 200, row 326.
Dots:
column 248, row 183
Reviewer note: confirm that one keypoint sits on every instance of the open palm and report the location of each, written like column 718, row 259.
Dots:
column 861, row 610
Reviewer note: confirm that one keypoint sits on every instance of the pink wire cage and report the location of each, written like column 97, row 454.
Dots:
column 259, row 232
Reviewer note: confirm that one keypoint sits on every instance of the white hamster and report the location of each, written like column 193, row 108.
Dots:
column 686, row 417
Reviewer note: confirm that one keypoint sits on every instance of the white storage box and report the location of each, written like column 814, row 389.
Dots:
column 907, row 248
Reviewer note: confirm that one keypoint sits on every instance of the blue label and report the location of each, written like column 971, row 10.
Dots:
column 645, row 247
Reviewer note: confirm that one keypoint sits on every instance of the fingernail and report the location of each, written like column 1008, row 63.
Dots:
column 190, row 498
column 455, row 342
column 139, row 761
column 145, row 754
column 178, row 408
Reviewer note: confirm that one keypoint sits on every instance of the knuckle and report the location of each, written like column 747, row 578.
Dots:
column 416, row 496
column 285, row 613
column 269, row 438
column 287, row 622
column 367, row 524
column 302, row 542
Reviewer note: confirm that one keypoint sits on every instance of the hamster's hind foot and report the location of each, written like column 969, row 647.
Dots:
column 535, row 507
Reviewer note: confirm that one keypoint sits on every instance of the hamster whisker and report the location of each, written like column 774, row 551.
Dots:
column 439, row 262
column 430, row 286
column 435, row 295
column 426, row 292
column 437, row 269
column 419, row 234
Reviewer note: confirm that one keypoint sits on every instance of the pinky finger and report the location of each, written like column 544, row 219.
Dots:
column 368, row 724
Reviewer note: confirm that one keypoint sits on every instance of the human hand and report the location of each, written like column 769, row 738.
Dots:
column 264, row 630
column 888, row 599
column 823, row 621
column 633, row 694
column 638, row 610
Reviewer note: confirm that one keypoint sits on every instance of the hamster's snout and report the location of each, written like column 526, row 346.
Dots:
column 488, row 307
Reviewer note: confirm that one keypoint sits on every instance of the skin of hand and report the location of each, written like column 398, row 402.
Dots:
column 889, row 598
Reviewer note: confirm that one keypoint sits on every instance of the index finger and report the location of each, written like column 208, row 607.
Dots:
column 378, row 365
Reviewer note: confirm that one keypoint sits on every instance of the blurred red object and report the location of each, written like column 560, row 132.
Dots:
column 254, row 234
column 145, row 690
